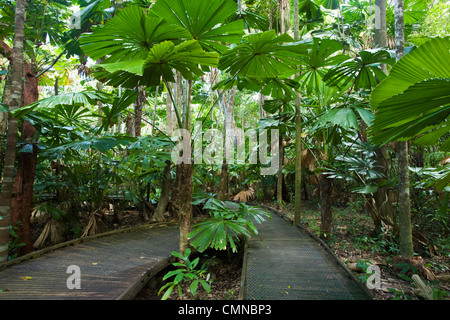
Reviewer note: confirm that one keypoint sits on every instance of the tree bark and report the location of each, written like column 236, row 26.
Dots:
column 325, row 207
column 182, row 202
column 298, row 134
column 228, row 135
column 140, row 99
column 405, row 227
column 165, row 193
column 382, row 210
column 10, row 156
column 380, row 24
column 182, row 191
column 167, row 178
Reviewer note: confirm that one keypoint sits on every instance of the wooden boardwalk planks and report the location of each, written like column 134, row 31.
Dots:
column 285, row 263
column 111, row 267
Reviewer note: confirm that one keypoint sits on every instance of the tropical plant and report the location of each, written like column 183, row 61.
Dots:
column 228, row 222
column 147, row 48
column 185, row 272
column 413, row 101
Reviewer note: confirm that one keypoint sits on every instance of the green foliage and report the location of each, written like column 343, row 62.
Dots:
column 205, row 20
column 413, row 100
column 314, row 65
column 261, row 55
column 14, row 243
column 141, row 49
column 363, row 71
column 186, row 272
column 358, row 166
column 227, row 223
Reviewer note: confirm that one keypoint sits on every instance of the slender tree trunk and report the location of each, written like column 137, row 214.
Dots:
column 222, row 189
column 167, row 176
column 165, row 193
column 382, row 211
column 298, row 134
column 280, row 171
column 139, row 103
column 282, row 7
column 228, row 136
column 405, row 227
column 10, row 156
column 155, row 108
column 100, row 104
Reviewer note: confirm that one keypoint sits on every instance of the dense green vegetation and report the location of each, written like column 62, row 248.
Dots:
column 346, row 102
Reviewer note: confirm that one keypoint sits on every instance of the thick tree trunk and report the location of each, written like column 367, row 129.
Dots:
column 405, row 228
column 182, row 191
column 4, row 116
column 325, row 207
column 22, row 202
column 182, row 202
column 10, row 156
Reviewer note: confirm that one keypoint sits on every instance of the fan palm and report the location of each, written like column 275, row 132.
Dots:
column 414, row 99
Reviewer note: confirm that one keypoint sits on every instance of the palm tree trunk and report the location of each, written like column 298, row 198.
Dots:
column 10, row 156
column 382, row 211
column 138, row 105
column 405, row 228
column 298, row 134
column 183, row 202
column 182, row 191
column 326, row 216
column 165, row 193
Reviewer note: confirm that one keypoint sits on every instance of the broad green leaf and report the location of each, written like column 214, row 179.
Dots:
column 129, row 36
column 423, row 105
column 77, row 99
column 203, row 19
column 429, row 61
column 363, row 72
column 314, row 65
column 261, row 55
column 162, row 58
column 369, row 188
column 193, row 287
column 343, row 117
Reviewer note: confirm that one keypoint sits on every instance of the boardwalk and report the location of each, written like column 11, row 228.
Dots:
column 111, row 267
column 281, row 263
column 285, row 263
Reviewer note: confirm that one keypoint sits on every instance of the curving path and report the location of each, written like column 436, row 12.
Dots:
column 111, row 267
column 284, row 262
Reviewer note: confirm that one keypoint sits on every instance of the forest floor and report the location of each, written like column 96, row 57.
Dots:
column 350, row 242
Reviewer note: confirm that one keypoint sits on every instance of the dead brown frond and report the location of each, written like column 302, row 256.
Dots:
column 93, row 225
column 245, row 195
column 444, row 161
column 52, row 233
